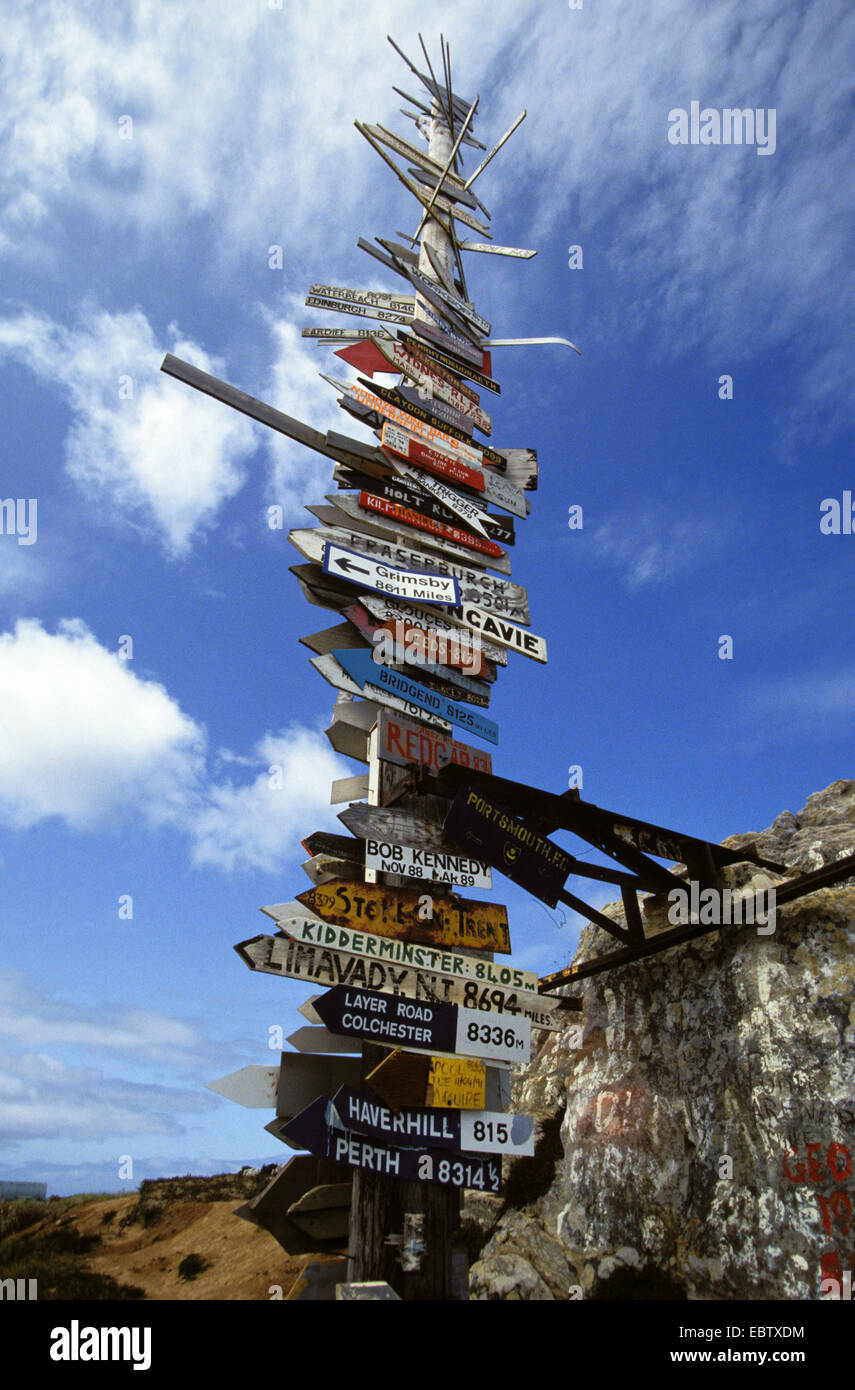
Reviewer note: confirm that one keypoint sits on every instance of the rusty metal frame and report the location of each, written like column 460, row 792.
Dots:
column 630, row 842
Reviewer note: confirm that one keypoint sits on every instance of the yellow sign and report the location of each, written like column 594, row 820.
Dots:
column 431, row 919
column 457, row 1083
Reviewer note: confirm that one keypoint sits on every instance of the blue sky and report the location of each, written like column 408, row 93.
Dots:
column 149, row 777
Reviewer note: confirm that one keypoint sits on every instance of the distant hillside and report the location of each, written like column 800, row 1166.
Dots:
column 177, row 1238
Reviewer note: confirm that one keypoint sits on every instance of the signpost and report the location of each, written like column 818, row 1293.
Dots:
column 530, row 859
column 491, row 592
column 253, row 1086
column 408, row 915
column 441, row 530
column 409, row 618
column 418, row 587
column 393, row 1021
column 435, row 866
column 444, row 1083
column 319, row 1129
column 420, row 1114
column 454, row 467
column 473, row 1131
column 330, row 936
column 364, row 671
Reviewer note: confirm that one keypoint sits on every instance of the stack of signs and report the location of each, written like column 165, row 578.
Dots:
column 412, row 555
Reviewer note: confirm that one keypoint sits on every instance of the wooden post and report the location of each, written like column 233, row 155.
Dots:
column 380, row 1203
column 378, row 1208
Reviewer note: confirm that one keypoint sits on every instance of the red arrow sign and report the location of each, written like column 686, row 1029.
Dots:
column 366, row 358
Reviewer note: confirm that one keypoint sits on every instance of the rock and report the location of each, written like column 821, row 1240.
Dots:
column 673, row 1157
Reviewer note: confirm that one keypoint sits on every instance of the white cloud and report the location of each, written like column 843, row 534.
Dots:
column 259, row 824
column 41, row 1097
column 247, row 120
column 31, row 1018
column 244, row 114
column 299, row 475
column 150, row 447
column 649, row 549
column 22, row 572
column 85, row 739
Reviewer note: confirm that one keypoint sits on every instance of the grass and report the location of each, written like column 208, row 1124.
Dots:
column 56, row 1257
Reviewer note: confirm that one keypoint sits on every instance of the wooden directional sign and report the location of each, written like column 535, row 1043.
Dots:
column 542, row 1011
column 452, row 464
column 302, row 1076
column 436, row 379
column 254, row 1086
column 492, row 592
column 404, row 304
column 398, row 842
column 521, row 468
column 329, row 668
column 429, row 865
column 453, row 346
column 348, row 788
column 443, row 1083
column 498, row 629
column 395, row 912
column 420, row 652
column 431, row 434
column 331, row 638
column 386, row 521
column 324, row 1212
column 415, row 643
column 459, row 306
column 516, row 251
column 406, row 357
column 268, row 1209
column 315, row 1129
column 388, row 1019
column 408, row 151
column 416, row 821
column 428, row 410
column 362, row 669
column 451, row 505
column 320, row 1040
column 322, row 868
column 453, row 467
column 367, row 358
column 428, row 407
column 441, row 530
column 387, row 579
column 298, row 960
column 341, row 335
column 407, row 744
column 472, row 1131
column 292, row 918
column 479, row 377
column 489, row 829
column 408, row 619
column 365, row 311
column 351, row 723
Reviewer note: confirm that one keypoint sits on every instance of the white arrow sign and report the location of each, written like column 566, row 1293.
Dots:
column 321, row 1041
column 387, row 579
column 253, row 1086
